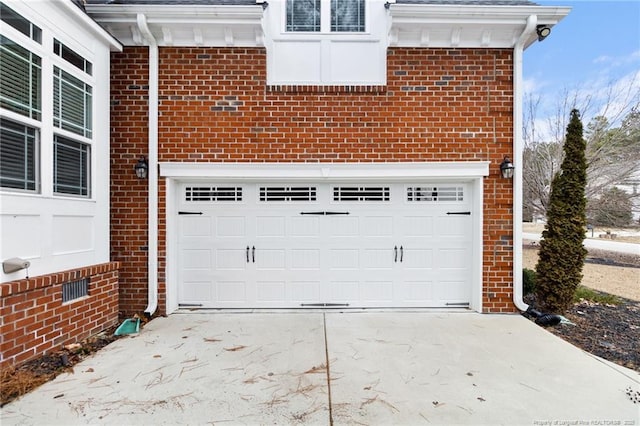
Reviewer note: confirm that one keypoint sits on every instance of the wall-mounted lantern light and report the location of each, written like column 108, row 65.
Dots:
column 506, row 168
column 141, row 168
column 543, row 31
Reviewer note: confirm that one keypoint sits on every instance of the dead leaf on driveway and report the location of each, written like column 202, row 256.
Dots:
column 212, row 340
column 235, row 348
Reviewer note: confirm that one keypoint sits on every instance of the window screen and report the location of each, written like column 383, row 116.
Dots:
column 303, row 15
column 71, row 162
column 71, row 103
column 18, row 156
column 347, row 15
column 20, row 79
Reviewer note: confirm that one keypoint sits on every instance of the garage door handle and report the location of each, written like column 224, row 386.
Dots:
column 253, row 254
column 395, row 253
column 247, row 254
column 323, row 213
column 401, row 253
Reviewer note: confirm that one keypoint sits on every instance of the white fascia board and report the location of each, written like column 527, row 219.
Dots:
column 90, row 24
column 177, row 14
column 481, row 13
column 465, row 170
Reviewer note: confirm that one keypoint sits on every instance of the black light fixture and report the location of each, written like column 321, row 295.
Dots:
column 543, row 31
column 506, row 168
column 141, row 168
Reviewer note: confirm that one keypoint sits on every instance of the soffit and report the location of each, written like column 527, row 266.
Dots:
column 465, row 25
column 183, row 25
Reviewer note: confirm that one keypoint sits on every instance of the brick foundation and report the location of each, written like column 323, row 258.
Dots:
column 35, row 321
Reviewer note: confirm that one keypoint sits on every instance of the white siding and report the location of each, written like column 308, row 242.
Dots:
column 55, row 232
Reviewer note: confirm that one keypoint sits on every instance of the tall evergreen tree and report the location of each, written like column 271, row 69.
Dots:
column 562, row 254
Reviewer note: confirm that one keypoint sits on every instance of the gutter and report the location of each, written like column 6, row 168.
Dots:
column 152, row 220
column 518, row 51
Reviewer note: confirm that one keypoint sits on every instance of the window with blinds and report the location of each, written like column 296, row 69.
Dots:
column 347, row 15
column 18, row 156
column 20, row 79
column 305, row 16
column 71, row 162
column 71, row 103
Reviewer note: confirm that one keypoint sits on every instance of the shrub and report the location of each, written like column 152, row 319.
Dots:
column 562, row 254
column 528, row 280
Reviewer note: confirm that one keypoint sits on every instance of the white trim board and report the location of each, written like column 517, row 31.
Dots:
column 326, row 171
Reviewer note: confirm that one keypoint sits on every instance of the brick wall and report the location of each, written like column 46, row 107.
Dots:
column 215, row 106
column 34, row 319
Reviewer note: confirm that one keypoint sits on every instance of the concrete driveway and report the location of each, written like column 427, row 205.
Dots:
column 377, row 368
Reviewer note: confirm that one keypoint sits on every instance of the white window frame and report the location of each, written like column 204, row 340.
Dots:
column 325, row 20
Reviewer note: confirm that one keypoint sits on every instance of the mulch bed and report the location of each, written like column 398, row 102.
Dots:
column 608, row 331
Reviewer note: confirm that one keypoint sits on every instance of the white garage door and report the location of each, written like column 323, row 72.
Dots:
column 275, row 245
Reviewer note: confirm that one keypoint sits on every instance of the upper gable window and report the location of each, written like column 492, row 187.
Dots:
column 308, row 16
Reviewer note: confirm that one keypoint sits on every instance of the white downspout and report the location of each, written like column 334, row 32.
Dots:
column 518, row 51
column 152, row 220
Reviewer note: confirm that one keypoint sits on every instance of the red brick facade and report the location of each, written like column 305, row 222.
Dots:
column 215, row 106
column 34, row 319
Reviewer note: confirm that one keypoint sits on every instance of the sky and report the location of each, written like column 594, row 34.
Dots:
column 595, row 48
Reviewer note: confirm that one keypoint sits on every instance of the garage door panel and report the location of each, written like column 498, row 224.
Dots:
column 304, row 226
column 231, row 259
column 343, row 291
column 305, row 291
column 417, row 258
column 376, row 259
column 197, row 259
column 341, row 259
column 231, row 226
column 451, row 291
column 377, row 291
column 417, row 226
column 417, row 291
column 362, row 247
column 271, row 291
column 377, row 226
column 305, row 259
column 231, row 292
column 270, row 226
column 453, row 259
column 270, row 259
column 197, row 291
column 196, row 226
column 453, row 227
column 342, row 226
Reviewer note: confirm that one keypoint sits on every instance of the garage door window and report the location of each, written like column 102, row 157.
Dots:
column 293, row 193
column 213, row 193
column 366, row 193
column 435, row 193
